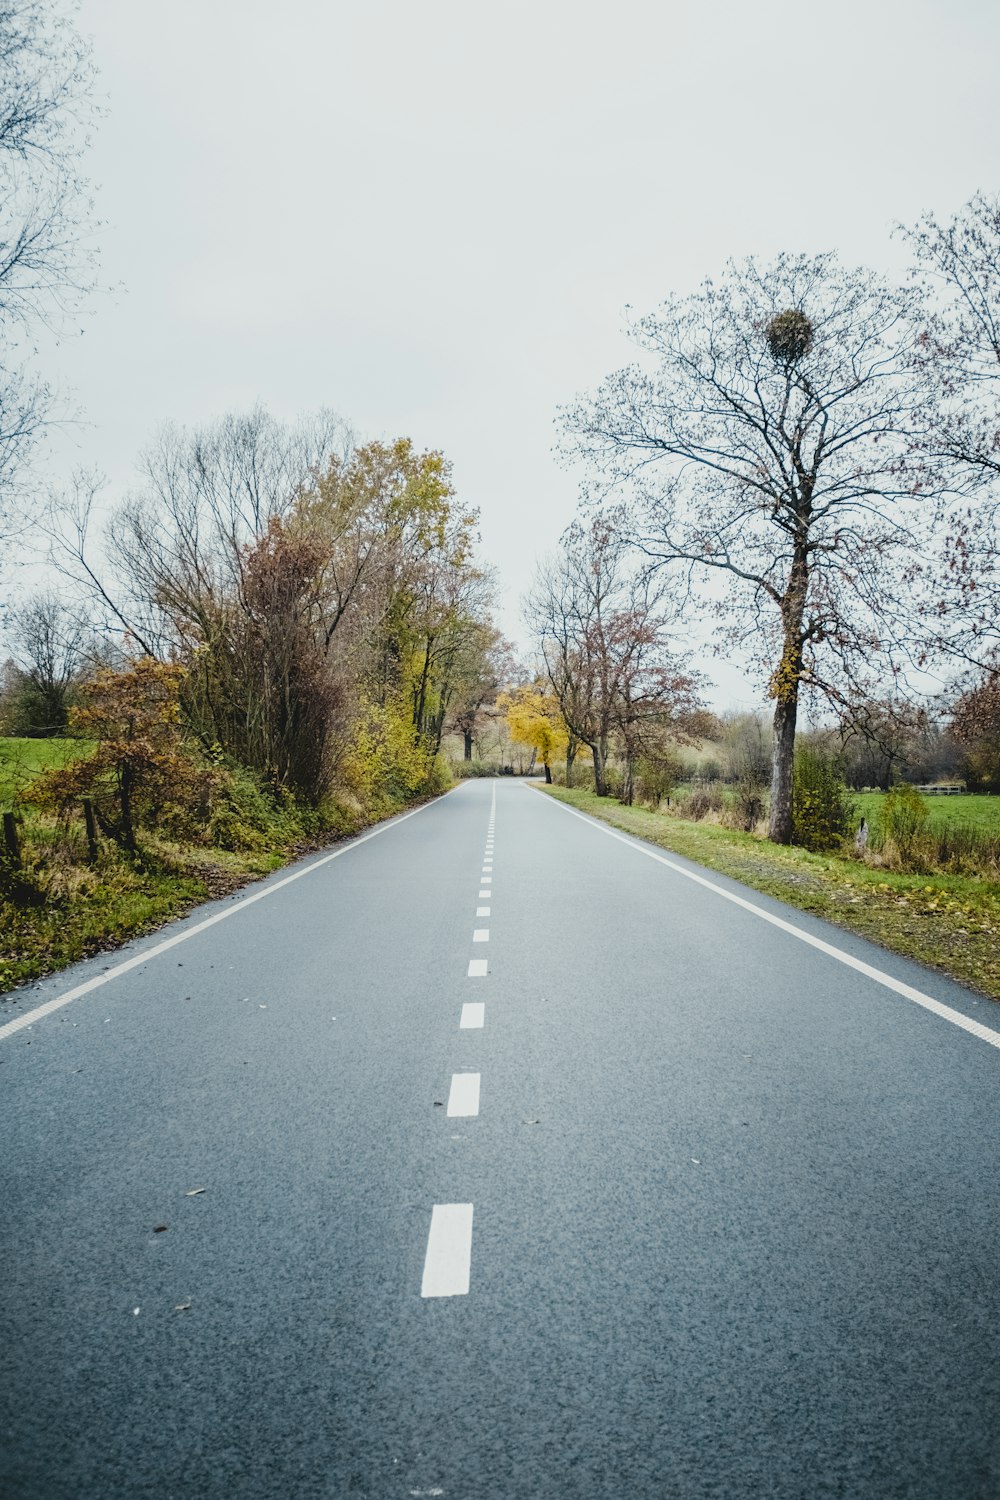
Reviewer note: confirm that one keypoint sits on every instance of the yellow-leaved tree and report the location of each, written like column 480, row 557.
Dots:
column 534, row 720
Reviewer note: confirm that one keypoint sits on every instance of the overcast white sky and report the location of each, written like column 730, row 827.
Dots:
column 430, row 215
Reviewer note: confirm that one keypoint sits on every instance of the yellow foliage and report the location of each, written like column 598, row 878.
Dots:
column 385, row 764
column 533, row 719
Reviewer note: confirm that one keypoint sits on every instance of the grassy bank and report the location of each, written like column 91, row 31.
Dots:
column 950, row 922
column 56, row 908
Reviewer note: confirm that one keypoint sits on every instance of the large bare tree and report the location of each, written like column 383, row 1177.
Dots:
column 958, row 272
column 46, row 261
column 761, row 444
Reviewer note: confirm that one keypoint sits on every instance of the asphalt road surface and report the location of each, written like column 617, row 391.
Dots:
column 493, row 1157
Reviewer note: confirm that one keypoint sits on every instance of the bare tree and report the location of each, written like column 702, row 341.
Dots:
column 602, row 632
column 763, row 448
column 47, row 638
column 46, row 265
column 958, row 272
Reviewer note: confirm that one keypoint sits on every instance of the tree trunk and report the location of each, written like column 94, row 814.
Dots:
column 570, row 758
column 467, row 735
column 548, row 774
column 779, row 828
column 599, row 786
column 785, row 689
column 628, row 790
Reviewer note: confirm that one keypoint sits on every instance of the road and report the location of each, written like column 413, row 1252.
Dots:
column 667, row 1202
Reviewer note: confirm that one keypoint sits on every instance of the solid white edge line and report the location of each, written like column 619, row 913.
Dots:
column 189, row 932
column 447, row 1264
column 966, row 1023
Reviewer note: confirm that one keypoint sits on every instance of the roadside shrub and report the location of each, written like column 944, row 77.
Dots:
column 901, row 825
column 384, row 765
column 464, row 770
column 243, row 814
column 439, row 777
column 701, row 801
column 747, row 761
column 142, row 764
column 656, row 775
column 822, row 811
column 904, row 838
column 614, row 782
column 746, row 806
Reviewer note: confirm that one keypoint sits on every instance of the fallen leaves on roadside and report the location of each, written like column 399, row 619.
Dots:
column 159, row 1228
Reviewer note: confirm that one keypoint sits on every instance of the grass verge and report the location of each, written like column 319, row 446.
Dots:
column 949, row 922
column 88, row 911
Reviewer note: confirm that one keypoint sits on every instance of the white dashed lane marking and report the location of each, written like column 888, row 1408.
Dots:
column 448, row 1262
column 473, row 1016
column 481, row 935
column 477, row 968
column 482, row 911
column 463, row 1099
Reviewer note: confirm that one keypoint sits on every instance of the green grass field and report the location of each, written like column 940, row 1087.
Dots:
column 974, row 811
column 23, row 760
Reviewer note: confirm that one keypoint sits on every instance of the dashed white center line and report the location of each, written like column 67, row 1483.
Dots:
column 477, row 968
column 448, row 1263
column 463, row 1098
column 482, row 911
column 484, row 896
column 485, row 879
column 481, row 935
column 473, row 1016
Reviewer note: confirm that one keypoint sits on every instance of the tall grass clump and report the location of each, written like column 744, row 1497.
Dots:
column 905, row 838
